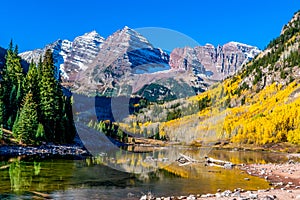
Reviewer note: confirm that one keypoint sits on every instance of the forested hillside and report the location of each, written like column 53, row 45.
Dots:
column 260, row 104
column 32, row 104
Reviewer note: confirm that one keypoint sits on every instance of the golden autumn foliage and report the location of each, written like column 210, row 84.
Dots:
column 270, row 116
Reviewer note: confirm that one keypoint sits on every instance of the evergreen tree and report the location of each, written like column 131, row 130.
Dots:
column 70, row 129
column 14, row 69
column 61, row 119
column 27, row 124
column 156, row 136
column 48, row 99
column 40, row 133
column 40, row 68
column 2, row 109
column 32, row 81
column 31, row 84
column 45, row 113
column 11, row 93
column 15, row 126
column 1, row 131
column 51, row 101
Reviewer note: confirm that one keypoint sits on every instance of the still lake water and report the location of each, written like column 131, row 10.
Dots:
column 90, row 178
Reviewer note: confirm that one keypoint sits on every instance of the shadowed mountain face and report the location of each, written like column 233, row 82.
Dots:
column 126, row 63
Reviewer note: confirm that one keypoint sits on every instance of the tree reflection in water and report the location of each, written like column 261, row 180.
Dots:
column 20, row 176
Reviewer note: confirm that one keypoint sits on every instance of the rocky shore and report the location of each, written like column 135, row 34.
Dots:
column 43, row 150
column 274, row 194
column 284, row 182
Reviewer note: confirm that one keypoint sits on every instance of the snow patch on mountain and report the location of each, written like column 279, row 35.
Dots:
column 69, row 56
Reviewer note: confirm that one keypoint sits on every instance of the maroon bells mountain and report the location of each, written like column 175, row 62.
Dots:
column 127, row 63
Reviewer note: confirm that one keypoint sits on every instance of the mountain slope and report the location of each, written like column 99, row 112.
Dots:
column 123, row 56
column 279, row 62
column 83, row 51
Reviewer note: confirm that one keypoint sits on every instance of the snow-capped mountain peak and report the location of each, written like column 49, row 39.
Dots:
column 69, row 57
column 132, row 38
column 90, row 36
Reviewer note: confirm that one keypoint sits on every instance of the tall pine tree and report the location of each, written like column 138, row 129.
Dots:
column 50, row 99
column 31, row 82
column 27, row 124
column 11, row 92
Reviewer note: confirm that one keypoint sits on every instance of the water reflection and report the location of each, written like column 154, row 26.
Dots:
column 63, row 178
column 20, row 178
column 21, row 175
column 248, row 157
column 149, row 158
column 31, row 175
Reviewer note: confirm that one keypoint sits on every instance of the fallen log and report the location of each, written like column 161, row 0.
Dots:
column 4, row 167
column 219, row 163
column 185, row 160
column 7, row 131
column 44, row 195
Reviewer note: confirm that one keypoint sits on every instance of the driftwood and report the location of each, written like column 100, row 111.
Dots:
column 4, row 167
column 7, row 131
column 219, row 163
column 185, row 160
column 40, row 194
column 9, row 135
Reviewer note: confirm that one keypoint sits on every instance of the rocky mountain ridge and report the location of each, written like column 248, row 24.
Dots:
column 126, row 62
column 124, row 55
column 215, row 62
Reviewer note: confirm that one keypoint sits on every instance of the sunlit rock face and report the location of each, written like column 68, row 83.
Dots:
column 214, row 62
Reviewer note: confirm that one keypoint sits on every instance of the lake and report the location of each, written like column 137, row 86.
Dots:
column 126, row 176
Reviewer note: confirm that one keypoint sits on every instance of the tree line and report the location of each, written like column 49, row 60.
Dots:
column 32, row 104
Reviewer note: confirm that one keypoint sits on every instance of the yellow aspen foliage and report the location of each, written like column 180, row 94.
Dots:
column 270, row 116
column 273, row 117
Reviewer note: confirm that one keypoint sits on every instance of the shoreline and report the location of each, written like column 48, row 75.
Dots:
column 284, row 178
column 43, row 150
column 283, row 147
column 284, row 182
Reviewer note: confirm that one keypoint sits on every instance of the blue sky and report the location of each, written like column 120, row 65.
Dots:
column 33, row 24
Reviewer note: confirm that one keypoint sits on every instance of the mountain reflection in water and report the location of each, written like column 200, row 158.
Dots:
column 68, row 178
